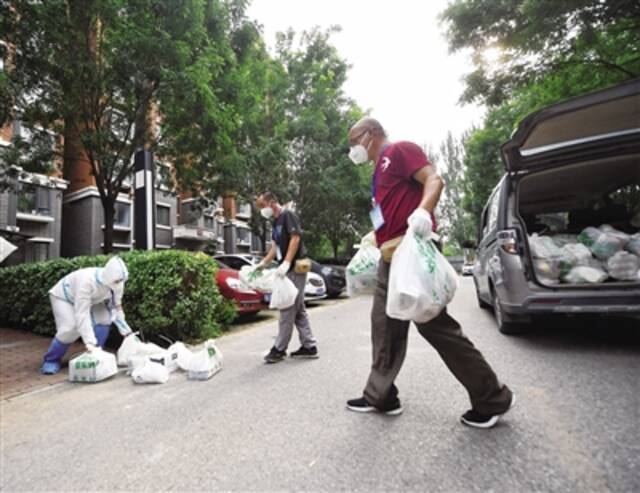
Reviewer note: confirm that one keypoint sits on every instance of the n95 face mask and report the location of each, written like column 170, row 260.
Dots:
column 358, row 154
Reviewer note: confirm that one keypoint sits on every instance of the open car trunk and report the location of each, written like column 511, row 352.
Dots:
column 582, row 222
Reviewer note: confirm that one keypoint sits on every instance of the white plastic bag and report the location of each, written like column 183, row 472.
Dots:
column 284, row 294
column 634, row 244
column 132, row 345
column 547, row 256
column 605, row 242
column 92, row 366
column 585, row 275
column 362, row 270
column 163, row 358
column 150, row 372
column 260, row 279
column 421, row 281
column 183, row 355
column 623, row 266
column 205, row 363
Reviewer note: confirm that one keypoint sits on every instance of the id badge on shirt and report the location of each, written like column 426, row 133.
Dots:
column 376, row 217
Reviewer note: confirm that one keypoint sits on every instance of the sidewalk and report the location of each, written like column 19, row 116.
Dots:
column 21, row 355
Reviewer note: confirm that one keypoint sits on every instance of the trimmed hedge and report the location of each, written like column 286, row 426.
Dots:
column 171, row 293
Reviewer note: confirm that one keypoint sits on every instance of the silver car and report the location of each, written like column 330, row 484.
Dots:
column 569, row 166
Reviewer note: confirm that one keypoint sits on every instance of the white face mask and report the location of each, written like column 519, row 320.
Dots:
column 266, row 212
column 358, row 154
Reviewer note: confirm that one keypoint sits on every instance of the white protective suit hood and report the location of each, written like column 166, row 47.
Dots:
column 115, row 273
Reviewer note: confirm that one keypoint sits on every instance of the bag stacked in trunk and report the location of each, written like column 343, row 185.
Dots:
column 594, row 256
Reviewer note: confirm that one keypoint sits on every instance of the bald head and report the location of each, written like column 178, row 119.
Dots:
column 369, row 134
column 368, row 123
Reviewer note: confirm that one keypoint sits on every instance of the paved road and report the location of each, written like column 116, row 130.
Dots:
column 284, row 427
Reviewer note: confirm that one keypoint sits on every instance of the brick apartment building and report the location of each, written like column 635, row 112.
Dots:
column 48, row 216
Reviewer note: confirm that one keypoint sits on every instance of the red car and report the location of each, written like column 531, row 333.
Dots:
column 247, row 300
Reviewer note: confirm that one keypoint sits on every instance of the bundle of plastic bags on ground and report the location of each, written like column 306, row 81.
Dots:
column 362, row 270
column 205, row 363
column 149, row 363
column 593, row 256
column 421, row 280
column 94, row 366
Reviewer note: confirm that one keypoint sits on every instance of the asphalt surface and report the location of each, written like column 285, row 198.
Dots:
column 576, row 426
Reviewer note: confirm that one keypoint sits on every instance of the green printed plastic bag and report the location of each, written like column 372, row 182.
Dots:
column 92, row 367
column 362, row 270
column 260, row 279
column 421, row 281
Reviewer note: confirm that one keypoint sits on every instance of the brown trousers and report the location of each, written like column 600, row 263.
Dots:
column 389, row 339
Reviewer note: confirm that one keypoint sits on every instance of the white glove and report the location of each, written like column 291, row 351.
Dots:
column 420, row 222
column 91, row 348
column 282, row 270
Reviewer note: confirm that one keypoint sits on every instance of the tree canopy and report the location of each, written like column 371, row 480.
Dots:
column 94, row 81
column 528, row 54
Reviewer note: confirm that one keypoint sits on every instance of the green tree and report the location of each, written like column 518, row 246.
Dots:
column 537, row 38
column 332, row 194
column 93, row 70
column 455, row 223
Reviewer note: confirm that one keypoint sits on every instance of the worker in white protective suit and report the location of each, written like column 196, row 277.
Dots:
column 85, row 303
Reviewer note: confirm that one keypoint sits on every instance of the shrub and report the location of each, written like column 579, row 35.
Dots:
column 171, row 293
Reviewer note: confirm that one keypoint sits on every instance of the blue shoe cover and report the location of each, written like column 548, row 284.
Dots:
column 53, row 357
column 102, row 333
column 50, row 367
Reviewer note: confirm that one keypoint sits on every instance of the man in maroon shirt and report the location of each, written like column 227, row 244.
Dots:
column 405, row 190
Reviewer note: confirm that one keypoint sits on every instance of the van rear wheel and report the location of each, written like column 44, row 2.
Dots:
column 481, row 303
column 505, row 326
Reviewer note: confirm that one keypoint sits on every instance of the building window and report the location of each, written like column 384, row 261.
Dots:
column 122, row 215
column 37, row 252
column 163, row 215
column 244, row 210
column 34, row 200
column 209, row 222
column 244, row 236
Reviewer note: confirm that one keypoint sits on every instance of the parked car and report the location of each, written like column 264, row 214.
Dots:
column 314, row 288
column 333, row 277
column 467, row 269
column 247, row 300
column 568, row 166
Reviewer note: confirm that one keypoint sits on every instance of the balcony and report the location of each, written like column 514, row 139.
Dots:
column 194, row 233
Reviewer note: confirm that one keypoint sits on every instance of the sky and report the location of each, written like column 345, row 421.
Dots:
column 401, row 68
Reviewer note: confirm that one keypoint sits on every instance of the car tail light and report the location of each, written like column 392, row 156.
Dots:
column 508, row 240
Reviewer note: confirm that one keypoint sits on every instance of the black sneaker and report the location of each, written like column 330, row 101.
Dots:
column 305, row 352
column 394, row 409
column 477, row 420
column 274, row 356
column 362, row 406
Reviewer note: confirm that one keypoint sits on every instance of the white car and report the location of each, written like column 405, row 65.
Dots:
column 314, row 288
column 467, row 269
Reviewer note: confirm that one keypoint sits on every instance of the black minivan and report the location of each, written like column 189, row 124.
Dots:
column 570, row 166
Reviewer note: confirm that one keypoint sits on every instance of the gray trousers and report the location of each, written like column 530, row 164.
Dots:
column 295, row 315
column 389, row 339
